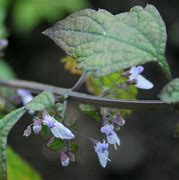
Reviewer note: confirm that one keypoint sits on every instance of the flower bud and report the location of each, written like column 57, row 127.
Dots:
column 27, row 131
column 65, row 159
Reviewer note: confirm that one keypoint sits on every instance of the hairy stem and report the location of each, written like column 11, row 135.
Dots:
column 80, row 82
column 89, row 99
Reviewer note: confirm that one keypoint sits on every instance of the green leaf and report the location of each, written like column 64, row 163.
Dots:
column 112, row 86
column 59, row 107
column 5, row 126
column 27, row 14
column 56, row 144
column 87, row 107
column 104, row 43
column 5, row 93
column 42, row 101
column 73, row 147
column 91, row 111
column 5, row 70
column 18, row 169
column 45, row 132
column 170, row 93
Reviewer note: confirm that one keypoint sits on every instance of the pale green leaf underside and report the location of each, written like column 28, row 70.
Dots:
column 170, row 93
column 5, row 126
column 104, row 43
column 42, row 101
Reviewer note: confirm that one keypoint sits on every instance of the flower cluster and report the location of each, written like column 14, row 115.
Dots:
column 112, row 121
column 101, row 148
column 135, row 78
column 57, row 129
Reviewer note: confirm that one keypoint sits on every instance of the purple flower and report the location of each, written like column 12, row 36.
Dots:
column 137, row 79
column 112, row 137
column 3, row 43
column 65, row 159
column 37, row 125
column 102, row 151
column 118, row 120
column 57, row 128
column 25, row 95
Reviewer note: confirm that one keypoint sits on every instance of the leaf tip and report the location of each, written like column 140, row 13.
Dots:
column 47, row 32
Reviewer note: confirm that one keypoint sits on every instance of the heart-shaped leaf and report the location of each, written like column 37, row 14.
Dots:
column 42, row 101
column 5, row 126
column 170, row 93
column 104, row 43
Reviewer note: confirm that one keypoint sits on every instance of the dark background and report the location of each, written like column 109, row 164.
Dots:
column 148, row 151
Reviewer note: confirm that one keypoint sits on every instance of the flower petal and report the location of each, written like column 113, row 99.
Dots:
column 139, row 69
column 107, row 129
column 135, row 71
column 64, row 159
column 103, row 158
column 25, row 95
column 57, row 132
column 37, row 128
column 143, row 83
column 61, row 131
column 113, row 139
column 66, row 162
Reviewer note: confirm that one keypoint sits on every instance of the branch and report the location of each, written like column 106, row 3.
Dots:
column 89, row 99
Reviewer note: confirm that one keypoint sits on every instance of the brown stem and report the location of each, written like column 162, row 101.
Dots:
column 89, row 99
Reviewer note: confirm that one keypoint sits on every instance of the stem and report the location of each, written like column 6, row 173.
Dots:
column 89, row 99
column 64, row 109
column 80, row 82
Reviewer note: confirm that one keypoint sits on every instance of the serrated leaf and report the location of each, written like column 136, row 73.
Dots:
column 104, row 43
column 170, row 93
column 5, row 126
column 42, row 101
column 18, row 169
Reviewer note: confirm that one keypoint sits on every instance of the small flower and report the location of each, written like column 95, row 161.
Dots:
column 118, row 120
column 57, row 128
column 65, row 159
column 112, row 137
column 37, row 125
column 3, row 44
column 137, row 79
column 71, row 156
column 102, row 151
column 27, row 131
column 25, row 95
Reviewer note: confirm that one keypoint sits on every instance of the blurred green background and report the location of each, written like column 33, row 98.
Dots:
column 148, row 149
